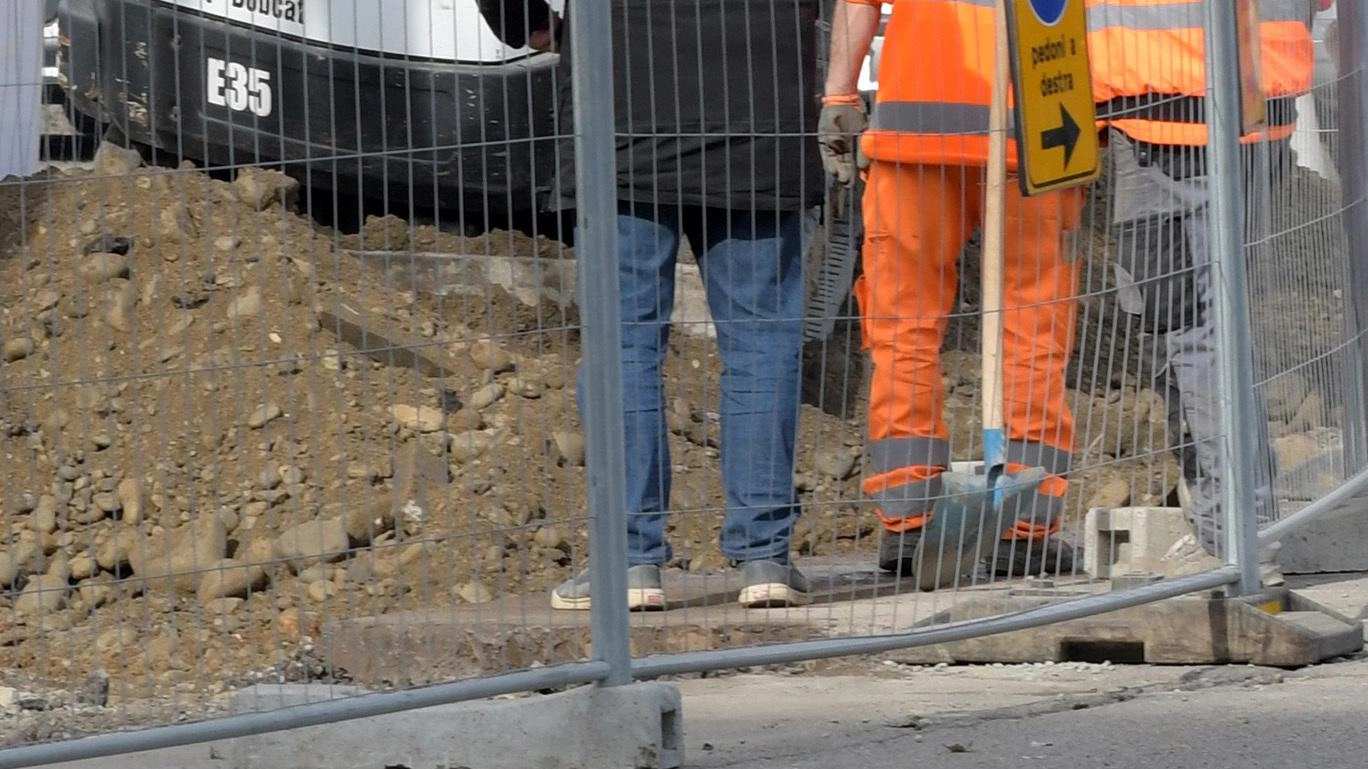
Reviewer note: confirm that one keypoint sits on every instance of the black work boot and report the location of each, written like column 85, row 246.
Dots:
column 898, row 551
column 1022, row 557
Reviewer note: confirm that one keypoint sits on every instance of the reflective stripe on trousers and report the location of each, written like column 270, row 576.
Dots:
column 904, row 478
column 1037, row 514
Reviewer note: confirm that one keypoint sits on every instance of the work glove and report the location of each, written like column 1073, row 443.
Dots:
column 838, row 135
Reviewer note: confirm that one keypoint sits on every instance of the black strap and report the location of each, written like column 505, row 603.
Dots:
column 1282, row 110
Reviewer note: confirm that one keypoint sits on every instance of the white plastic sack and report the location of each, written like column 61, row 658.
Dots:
column 1306, row 141
column 21, row 85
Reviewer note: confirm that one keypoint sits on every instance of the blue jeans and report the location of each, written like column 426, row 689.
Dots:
column 752, row 268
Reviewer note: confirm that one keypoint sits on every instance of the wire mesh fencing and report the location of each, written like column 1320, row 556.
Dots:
column 1311, row 359
column 309, row 375
column 257, row 412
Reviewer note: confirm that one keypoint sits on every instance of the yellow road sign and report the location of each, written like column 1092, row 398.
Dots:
column 1252, row 102
column 1055, row 117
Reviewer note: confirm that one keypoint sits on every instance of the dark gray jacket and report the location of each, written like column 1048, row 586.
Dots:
column 716, row 104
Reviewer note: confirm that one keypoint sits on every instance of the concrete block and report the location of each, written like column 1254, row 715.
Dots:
column 1130, row 539
column 1337, row 542
column 626, row 727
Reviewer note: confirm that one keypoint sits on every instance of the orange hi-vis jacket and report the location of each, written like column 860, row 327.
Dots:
column 1149, row 66
column 935, row 84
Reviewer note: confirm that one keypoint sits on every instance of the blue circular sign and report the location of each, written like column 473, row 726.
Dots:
column 1049, row 11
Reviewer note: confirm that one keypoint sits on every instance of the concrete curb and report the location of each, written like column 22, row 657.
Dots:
column 626, row 727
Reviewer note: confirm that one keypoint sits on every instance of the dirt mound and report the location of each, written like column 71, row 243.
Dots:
column 223, row 425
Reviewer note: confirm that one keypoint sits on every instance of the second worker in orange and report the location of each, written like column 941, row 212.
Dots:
column 926, row 149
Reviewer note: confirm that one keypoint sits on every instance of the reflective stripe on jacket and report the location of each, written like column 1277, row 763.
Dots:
column 1149, row 66
column 935, row 84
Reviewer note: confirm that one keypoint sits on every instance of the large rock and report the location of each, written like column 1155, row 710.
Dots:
column 263, row 415
column 231, row 579
column 385, row 233
column 258, row 188
column 312, row 543
column 132, row 499
column 176, row 225
column 113, row 160
column 115, row 553
column 1114, row 493
column 423, row 419
column 44, row 594
column 487, row 396
column 416, row 475
column 1295, row 450
column 44, row 520
column 569, row 447
column 470, row 445
column 119, row 300
column 1283, row 394
column 834, row 461
column 245, row 305
column 490, row 356
column 18, row 560
column 416, row 472
column 177, row 558
column 99, row 267
column 18, row 348
column 44, row 299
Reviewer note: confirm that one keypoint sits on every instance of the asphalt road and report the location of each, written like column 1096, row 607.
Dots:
column 1316, row 718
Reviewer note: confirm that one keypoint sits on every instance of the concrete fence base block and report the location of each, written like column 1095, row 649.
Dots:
column 1277, row 628
column 1128, row 539
column 625, row 727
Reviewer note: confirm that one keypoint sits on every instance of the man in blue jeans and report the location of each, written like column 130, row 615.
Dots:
column 716, row 115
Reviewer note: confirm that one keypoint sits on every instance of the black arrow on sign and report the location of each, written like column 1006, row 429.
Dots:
column 1066, row 135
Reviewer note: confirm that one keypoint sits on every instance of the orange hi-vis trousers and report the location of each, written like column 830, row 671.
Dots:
column 917, row 221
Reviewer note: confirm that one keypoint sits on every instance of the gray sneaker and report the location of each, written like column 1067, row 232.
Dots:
column 644, row 590
column 770, row 583
column 1270, row 572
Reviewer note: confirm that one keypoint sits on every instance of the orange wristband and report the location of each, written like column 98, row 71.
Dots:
column 841, row 100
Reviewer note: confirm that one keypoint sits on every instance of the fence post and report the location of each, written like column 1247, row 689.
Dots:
column 1352, row 126
column 1230, row 299
column 591, row 60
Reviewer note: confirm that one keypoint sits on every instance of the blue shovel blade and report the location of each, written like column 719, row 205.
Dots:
column 995, row 461
column 968, row 509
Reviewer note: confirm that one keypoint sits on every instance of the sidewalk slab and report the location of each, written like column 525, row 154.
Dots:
column 1258, row 723
column 1345, row 594
column 737, row 720
column 849, row 597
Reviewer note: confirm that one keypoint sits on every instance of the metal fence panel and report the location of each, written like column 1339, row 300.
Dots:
column 312, row 370
column 1307, row 332
column 289, row 379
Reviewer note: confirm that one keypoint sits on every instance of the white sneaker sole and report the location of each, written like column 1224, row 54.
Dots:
column 638, row 599
column 771, row 595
